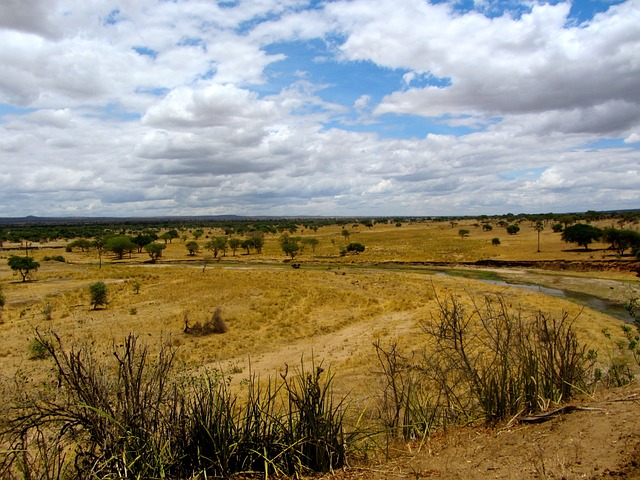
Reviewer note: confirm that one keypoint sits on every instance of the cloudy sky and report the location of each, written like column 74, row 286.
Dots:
column 318, row 107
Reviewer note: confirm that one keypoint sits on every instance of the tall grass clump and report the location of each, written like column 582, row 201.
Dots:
column 494, row 362
column 483, row 360
column 136, row 418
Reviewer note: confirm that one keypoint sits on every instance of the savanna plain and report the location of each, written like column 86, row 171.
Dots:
column 367, row 326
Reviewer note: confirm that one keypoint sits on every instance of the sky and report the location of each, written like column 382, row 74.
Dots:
column 318, row 107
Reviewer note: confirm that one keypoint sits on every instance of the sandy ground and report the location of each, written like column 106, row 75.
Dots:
column 599, row 443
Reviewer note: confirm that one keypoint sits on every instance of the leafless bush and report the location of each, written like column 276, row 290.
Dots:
column 490, row 361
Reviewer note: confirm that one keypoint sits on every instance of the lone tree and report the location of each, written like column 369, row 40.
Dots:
column 24, row 265
column 463, row 232
column 98, row 291
column 154, row 250
column 513, row 229
column 582, row 234
column 538, row 227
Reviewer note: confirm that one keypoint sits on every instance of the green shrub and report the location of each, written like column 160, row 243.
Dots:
column 99, row 294
column 38, row 349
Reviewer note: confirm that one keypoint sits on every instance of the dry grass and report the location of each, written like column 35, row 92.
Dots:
column 334, row 307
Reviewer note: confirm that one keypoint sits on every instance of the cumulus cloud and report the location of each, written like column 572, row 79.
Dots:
column 508, row 66
column 191, row 107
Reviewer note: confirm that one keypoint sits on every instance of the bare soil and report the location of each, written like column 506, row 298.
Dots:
column 603, row 442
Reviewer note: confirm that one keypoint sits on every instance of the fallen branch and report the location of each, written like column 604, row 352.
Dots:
column 546, row 416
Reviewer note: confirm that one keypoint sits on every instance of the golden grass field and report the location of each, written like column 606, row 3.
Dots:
column 333, row 308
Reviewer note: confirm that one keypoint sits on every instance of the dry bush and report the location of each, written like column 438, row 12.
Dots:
column 215, row 325
column 138, row 419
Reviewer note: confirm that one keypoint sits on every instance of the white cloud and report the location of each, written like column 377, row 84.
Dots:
column 201, row 124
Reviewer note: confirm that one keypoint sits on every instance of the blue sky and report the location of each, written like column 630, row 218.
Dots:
column 299, row 107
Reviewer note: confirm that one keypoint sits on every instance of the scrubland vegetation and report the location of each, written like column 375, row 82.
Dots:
column 217, row 359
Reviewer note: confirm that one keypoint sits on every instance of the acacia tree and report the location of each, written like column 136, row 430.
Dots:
column 120, row 244
column 234, row 244
column 193, row 247
column 256, row 240
column 311, row 241
column 581, row 233
column 24, row 265
column 82, row 243
column 154, row 250
column 217, row 245
column 289, row 245
column 621, row 240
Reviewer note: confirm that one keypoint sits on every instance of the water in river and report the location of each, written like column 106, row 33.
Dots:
column 596, row 303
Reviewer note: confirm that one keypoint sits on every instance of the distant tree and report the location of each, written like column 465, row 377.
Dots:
column 247, row 244
column 463, row 232
column 495, row 241
column 538, row 227
column 513, row 229
column 346, row 234
column 567, row 220
column 313, row 242
column 24, row 265
column 355, row 248
column 82, row 243
column 368, row 223
column 119, row 245
column 217, row 245
column 197, row 234
column 234, row 244
column 622, row 240
column 98, row 243
column 486, row 227
column 141, row 240
column 98, row 292
column 166, row 237
column 171, row 234
column 257, row 240
column 193, row 247
column 154, row 250
column 2, row 299
column 581, row 233
column 291, row 248
column 557, row 227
